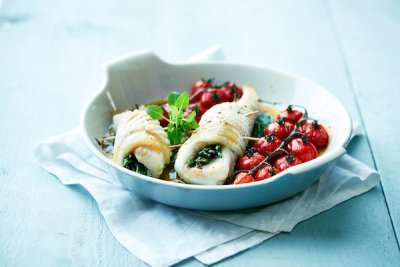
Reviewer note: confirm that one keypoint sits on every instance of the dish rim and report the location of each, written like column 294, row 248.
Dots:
column 301, row 168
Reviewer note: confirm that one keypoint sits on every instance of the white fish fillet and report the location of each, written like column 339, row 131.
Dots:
column 223, row 124
column 139, row 134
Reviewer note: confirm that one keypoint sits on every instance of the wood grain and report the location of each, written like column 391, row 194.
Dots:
column 373, row 67
column 50, row 55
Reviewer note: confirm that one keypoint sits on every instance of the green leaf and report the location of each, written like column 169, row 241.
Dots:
column 193, row 125
column 185, row 126
column 191, row 116
column 174, row 111
column 183, row 101
column 175, row 136
column 260, row 124
column 154, row 111
column 172, row 97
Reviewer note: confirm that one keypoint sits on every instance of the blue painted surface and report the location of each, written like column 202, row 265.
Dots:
column 50, row 55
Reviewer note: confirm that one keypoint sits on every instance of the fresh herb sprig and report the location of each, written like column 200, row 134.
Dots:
column 177, row 123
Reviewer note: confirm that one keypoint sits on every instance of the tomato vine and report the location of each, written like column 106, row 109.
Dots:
column 281, row 147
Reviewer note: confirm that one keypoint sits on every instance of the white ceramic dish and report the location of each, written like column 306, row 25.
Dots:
column 143, row 77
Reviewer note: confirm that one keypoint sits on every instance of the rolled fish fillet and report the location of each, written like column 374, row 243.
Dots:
column 223, row 124
column 139, row 134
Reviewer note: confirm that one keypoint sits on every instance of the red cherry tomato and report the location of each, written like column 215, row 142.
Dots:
column 316, row 134
column 266, row 145
column 305, row 151
column 286, row 162
column 243, row 178
column 199, row 85
column 223, row 96
column 264, row 173
column 281, row 128
column 232, row 91
column 202, row 109
column 248, row 162
column 290, row 114
column 211, row 98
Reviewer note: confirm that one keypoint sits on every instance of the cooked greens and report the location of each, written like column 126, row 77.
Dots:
column 260, row 124
column 131, row 163
column 205, row 156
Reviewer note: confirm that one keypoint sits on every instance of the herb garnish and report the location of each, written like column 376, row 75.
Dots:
column 177, row 124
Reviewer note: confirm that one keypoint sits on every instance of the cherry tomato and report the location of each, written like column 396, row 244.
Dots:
column 290, row 114
column 302, row 149
column 281, row 128
column 266, row 145
column 248, row 162
column 223, row 96
column 265, row 173
column 163, row 121
column 211, row 98
column 286, row 162
column 200, row 85
column 201, row 108
column 232, row 91
column 316, row 134
column 243, row 178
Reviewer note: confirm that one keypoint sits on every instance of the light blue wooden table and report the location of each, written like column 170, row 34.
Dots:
column 50, row 53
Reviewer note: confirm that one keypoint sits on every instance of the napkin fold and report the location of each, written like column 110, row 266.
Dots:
column 161, row 235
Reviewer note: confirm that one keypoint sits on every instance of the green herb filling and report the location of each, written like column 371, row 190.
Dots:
column 205, row 156
column 131, row 163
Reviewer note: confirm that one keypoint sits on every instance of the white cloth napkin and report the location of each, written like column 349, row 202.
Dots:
column 162, row 235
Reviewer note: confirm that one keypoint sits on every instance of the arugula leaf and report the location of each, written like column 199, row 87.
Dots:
column 172, row 97
column 154, row 111
column 260, row 124
column 182, row 101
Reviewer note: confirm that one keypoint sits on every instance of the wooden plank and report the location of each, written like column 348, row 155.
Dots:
column 49, row 64
column 369, row 36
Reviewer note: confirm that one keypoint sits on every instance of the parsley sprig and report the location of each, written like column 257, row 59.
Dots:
column 177, row 123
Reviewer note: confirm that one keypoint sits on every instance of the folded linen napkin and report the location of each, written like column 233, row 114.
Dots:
column 162, row 235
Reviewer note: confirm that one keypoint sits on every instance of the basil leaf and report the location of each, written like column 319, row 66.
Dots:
column 185, row 126
column 191, row 116
column 183, row 101
column 260, row 124
column 174, row 111
column 193, row 125
column 154, row 111
column 172, row 97
column 175, row 136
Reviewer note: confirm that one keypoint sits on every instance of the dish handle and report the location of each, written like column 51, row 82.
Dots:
column 133, row 60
